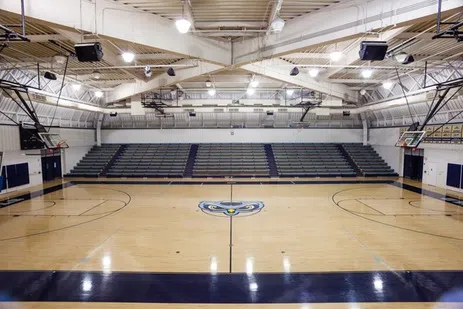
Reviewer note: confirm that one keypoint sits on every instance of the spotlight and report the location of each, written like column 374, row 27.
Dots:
column 49, row 75
column 148, row 71
column 294, row 71
column 208, row 83
column 277, row 25
column 404, row 58
column 254, row 83
column 96, row 74
column 183, row 25
column 367, row 73
column 250, row 91
column 99, row 94
column 313, row 72
column 387, row 84
column 128, row 57
column 336, row 56
column 289, row 92
column 76, row 86
column 212, row 92
column 171, row 72
column 363, row 92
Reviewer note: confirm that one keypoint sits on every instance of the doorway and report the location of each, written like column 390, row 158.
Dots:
column 413, row 164
column 51, row 165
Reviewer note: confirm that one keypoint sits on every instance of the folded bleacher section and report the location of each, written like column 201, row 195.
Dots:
column 95, row 161
column 151, row 160
column 235, row 160
column 368, row 160
column 311, row 160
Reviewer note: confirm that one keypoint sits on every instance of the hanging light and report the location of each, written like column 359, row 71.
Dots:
column 387, row 84
column 313, row 72
column 96, row 74
column 183, row 24
column 289, row 92
column 367, row 73
column 336, row 56
column 277, row 24
column 212, row 92
column 98, row 94
column 254, row 83
column 76, row 87
column 208, row 83
column 250, row 91
column 128, row 57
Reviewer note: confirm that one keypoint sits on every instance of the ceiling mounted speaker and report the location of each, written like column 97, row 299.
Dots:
column 89, row 52
column 171, row 72
column 49, row 75
column 373, row 50
column 294, row 71
column 112, row 114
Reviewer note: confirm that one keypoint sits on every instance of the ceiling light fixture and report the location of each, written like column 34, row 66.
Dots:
column 96, row 74
column 289, row 92
column 277, row 24
column 404, row 58
column 211, row 92
column 128, row 57
column 336, row 56
column 254, row 83
column 183, row 24
column 148, row 71
column 313, row 72
column 98, row 94
column 367, row 73
column 76, row 86
column 387, row 84
column 208, row 83
column 250, row 91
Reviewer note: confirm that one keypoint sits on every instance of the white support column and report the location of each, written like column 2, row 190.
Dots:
column 99, row 124
column 345, row 20
column 279, row 70
column 110, row 19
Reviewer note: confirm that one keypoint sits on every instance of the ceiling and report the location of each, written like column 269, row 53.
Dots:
column 227, row 25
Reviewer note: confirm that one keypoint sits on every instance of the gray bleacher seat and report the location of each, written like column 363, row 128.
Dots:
column 95, row 161
column 368, row 160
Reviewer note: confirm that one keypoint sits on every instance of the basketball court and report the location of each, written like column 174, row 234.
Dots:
column 293, row 154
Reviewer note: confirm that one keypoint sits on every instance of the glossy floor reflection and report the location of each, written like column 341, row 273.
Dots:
column 370, row 244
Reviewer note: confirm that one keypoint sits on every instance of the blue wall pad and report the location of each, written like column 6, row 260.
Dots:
column 453, row 175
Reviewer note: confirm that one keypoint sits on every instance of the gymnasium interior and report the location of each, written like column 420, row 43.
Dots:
column 295, row 154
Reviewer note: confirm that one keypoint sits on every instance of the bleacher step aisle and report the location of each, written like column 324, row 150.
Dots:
column 191, row 160
column 349, row 159
column 113, row 159
column 271, row 160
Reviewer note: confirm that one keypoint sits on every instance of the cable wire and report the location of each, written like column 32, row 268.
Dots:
column 59, row 95
column 405, row 95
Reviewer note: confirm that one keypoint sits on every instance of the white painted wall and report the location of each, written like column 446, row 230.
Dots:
column 80, row 140
column 383, row 141
column 441, row 155
column 225, row 136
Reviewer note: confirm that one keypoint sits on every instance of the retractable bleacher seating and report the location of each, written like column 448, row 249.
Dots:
column 151, row 160
column 95, row 161
column 368, row 160
column 235, row 160
column 310, row 160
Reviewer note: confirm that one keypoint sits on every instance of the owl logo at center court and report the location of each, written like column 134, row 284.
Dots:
column 230, row 209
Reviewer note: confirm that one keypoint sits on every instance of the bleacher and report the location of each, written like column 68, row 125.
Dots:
column 310, row 160
column 95, row 161
column 220, row 160
column 368, row 160
column 151, row 160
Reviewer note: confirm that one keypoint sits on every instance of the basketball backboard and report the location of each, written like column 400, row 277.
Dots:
column 410, row 139
column 53, row 141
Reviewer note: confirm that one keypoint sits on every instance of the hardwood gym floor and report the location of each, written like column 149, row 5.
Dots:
column 315, row 243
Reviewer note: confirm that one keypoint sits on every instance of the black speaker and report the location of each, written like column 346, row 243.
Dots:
column 171, row 72
column 373, row 50
column 89, row 52
column 49, row 75
column 346, row 113
column 112, row 114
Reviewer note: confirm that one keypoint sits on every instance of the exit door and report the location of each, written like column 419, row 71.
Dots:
column 431, row 171
column 413, row 164
column 51, row 167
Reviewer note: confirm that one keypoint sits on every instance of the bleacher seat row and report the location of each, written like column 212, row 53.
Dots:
column 235, row 160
